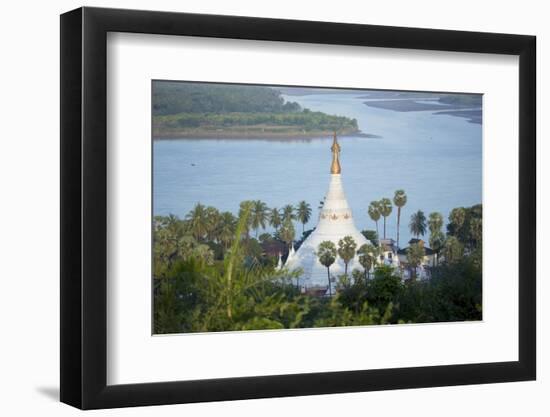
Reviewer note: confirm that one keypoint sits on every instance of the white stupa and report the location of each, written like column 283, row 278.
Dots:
column 335, row 222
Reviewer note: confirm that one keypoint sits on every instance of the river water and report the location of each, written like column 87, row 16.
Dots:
column 436, row 159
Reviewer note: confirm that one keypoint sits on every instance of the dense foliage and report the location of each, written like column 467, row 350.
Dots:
column 211, row 274
column 209, row 108
column 184, row 97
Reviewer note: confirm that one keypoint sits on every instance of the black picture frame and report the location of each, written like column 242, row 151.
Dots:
column 84, row 207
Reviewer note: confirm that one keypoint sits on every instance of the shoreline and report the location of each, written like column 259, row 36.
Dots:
column 242, row 135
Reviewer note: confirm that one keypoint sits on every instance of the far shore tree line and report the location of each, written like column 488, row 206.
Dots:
column 182, row 108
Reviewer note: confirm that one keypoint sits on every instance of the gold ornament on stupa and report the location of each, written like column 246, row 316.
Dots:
column 335, row 148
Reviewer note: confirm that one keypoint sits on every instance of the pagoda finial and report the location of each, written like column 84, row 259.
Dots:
column 335, row 148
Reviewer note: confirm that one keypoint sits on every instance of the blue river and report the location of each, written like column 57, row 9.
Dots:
column 436, row 159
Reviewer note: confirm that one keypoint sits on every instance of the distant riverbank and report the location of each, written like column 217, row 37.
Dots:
column 441, row 107
column 266, row 134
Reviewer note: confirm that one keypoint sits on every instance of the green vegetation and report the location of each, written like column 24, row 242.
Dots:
column 216, row 110
column 211, row 275
column 399, row 199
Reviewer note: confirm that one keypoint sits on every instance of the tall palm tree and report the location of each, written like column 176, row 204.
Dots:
column 245, row 210
column 367, row 257
column 385, row 210
column 374, row 214
column 258, row 215
column 326, row 252
column 275, row 218
column 415, row 255
column 417, row 225
column 457, row 218
column 288, row 213
column 399, row 199
column 437, row 238
column 346, row 251
column 228, row 224
column 435, row 222
column 212, row 223
column 287, row 232
column 197, row 221
column 303, row 213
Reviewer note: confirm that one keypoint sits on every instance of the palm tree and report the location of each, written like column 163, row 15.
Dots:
column 346, row 251
column 228, row 224
column 452, row 250
column 457, row 218
column 287, row 232
column 197, row 221
column 399, row 199
column 415, row 255
column 435, row 222
column 173, row 224
column 374, row 214
column 303, row 212
column 246, row 208
column 417, row 226
column 437, row 240
column 385, row 210
column 326, row 252
column 274, row 218
column 288, row 213
column 367, row 257
column 258, row 215
column 212, row 223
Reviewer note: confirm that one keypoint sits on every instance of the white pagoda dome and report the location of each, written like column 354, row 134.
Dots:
column 335, row 222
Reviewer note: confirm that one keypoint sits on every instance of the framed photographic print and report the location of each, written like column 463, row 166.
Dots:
column 257, row 208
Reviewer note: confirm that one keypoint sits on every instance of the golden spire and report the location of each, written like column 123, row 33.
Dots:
column 335, row 148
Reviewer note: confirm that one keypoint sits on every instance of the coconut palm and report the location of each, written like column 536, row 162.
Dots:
column 417, row 225
column 399, row 199
column 415, row 255
column 212, row 223
column 287, row 232
column 385, row 209
column 245, row 208
column 326, row 252
column 173, row 224
column 228, row 224
column 303, row 213
column 367, row 257
column 288, row 213
column 374, row 214
column 346, row 251
column 275, row 218
column 197, row 221
column 258, row 215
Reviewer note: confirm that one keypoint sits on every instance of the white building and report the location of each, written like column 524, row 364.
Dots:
column 335, row 222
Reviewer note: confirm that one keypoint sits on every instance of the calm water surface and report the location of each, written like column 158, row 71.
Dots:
column 436, row 159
